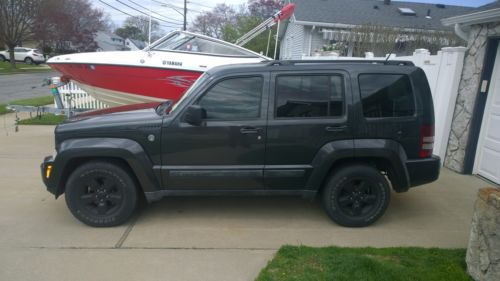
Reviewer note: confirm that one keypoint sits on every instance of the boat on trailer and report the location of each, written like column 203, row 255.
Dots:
column 165, row 70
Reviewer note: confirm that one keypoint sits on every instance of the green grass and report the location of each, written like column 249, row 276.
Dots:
column 44, row 119
column 5, row 68
column 367, row 264
column 38, row 101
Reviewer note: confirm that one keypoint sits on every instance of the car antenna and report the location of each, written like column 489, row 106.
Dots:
column 393, row 50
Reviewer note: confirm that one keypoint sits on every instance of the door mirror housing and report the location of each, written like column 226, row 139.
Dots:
column 195, row 115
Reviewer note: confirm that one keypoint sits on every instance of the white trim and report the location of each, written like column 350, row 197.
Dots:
column 474, row 18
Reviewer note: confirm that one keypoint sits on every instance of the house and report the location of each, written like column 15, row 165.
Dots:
column 474, row 141
column 135, row 45
column 353, row 27
column 107, row 41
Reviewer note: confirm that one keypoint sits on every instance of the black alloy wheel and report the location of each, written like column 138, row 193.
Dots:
column 101, row 194
column 356, row 195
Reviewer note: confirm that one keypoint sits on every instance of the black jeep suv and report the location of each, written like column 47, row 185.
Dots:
column 347, row 131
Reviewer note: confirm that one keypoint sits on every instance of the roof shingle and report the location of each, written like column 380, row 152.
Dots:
column 375, row 12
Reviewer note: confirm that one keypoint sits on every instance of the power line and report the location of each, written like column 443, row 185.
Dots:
column 176, row 7
column 152, row 11
column 114, row 8
column 146, row 13
column 201, row 5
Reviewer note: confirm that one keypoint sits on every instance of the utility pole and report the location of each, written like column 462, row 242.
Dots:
column 185, row 14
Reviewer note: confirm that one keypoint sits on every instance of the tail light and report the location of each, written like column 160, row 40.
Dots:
column 426, row 141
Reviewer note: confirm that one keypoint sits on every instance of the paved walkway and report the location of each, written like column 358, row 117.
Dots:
column 196, row 238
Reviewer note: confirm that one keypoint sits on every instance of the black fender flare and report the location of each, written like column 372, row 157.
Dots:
column 124, row 149
column 337, row 151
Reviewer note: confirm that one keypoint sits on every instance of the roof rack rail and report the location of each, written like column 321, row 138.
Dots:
column 385, row 62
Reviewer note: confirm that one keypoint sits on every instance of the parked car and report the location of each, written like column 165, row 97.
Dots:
column 346, row 131
column 27, row 55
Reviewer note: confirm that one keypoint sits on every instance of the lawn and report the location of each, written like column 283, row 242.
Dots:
column 5, row 68
column 367, row 264
column 44, row 119
column 38, row 101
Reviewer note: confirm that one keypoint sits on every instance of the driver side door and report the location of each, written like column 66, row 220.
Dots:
column 227, row 151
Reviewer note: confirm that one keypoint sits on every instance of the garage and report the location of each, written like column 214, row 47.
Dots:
column 488, row 156
column 474, row 140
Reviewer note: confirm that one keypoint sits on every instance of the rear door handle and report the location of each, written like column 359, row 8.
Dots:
column 249, row 130
column 336, row 128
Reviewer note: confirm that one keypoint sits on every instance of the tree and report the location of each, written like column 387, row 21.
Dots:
column 16, row 23
column 142, row 23
column 68, row 25
column 131, row 32
column 214, row 22
column 243, row 25
column 264, row 8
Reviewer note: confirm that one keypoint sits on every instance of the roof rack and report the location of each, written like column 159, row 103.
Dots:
column 384, row 62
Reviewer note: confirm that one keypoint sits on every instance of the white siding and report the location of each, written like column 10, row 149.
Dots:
column 292, row 44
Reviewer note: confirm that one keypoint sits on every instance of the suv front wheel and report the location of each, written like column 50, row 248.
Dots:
column 356, row 195
column 101, row 194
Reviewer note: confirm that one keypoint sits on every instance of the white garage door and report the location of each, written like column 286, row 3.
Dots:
column 488, row 161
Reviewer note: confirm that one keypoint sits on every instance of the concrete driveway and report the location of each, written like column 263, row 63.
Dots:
column 196, row 238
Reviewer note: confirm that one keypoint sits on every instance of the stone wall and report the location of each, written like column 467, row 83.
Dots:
column 483, row 251
column 467, row 92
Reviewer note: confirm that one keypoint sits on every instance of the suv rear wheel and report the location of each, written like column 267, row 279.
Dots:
column 2, row 58
column 28, row 60
column 101, row 194
column 356, row 195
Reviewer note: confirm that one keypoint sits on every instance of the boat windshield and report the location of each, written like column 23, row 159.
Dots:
column 191, row 89
column 186, row 42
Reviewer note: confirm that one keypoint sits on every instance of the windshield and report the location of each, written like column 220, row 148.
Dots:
column 171, row 42
column 186, row 42
column 191, row 89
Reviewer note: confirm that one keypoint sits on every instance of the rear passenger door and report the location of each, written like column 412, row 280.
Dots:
column 307, row 110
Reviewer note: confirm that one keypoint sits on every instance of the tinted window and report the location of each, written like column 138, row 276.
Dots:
column 236, row 98
column 386, row 95
column 309, row 96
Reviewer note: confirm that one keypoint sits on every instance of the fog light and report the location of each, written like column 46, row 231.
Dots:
column 48, row 171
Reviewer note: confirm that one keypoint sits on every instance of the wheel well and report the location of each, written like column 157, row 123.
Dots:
column 381, row 164
column 75, row 163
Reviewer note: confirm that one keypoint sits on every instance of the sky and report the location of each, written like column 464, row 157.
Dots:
column 173, row 19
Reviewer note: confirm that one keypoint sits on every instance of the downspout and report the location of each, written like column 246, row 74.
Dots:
column 311, row 39
column 461, row 33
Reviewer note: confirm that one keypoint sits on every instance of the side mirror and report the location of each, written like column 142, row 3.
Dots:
column 195, row 115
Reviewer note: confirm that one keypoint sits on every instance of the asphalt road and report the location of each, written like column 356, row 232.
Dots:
column 22, row 86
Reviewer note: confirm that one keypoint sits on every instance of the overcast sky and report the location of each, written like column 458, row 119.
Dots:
column 171, row 18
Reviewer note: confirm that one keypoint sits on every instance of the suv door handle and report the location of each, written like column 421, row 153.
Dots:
column 335, row 128
column 249, row 130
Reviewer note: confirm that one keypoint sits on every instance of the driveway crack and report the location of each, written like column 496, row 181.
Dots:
column 127, row 232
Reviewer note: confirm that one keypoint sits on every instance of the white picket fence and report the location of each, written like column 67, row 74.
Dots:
column 443, row 72
column 73, row 96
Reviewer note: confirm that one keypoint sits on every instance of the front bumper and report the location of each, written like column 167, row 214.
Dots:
column 422, row 171
column 48, row 177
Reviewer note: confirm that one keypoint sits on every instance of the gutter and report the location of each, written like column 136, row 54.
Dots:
column 474, row 18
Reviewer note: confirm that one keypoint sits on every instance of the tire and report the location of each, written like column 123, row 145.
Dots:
column 2, row 58
column 28, row 60
column 356, row 196
column 101, row 194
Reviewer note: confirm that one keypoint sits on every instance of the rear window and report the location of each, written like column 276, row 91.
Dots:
column 386, row 95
